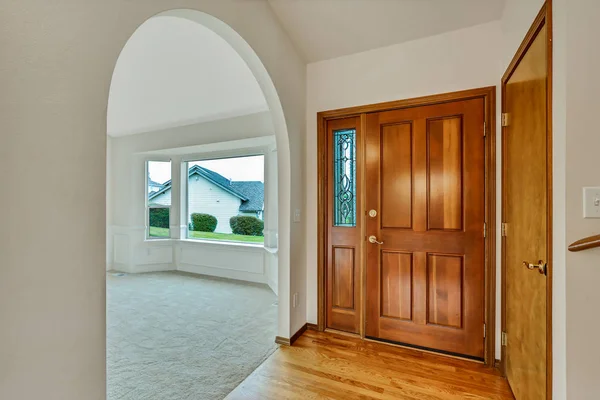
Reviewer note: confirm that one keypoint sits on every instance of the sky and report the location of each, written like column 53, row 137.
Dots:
column 250, row 168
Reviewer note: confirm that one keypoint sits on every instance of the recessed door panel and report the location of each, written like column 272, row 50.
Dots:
column 343, row 278
column 396, row 175
column 445, row 173
column 445, row 290
column 396, row 285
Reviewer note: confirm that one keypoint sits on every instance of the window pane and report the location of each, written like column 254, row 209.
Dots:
column 159, row 183
column 226, row 199
column 344, row 177
column 159, row 222
column 159, row 198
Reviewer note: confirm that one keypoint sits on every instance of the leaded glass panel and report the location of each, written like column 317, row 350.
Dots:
column 344, row 177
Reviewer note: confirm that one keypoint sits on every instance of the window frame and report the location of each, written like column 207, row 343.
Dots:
column 212, row 156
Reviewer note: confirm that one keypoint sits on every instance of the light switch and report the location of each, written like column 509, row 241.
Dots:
column 297, row 215
column 591, row 202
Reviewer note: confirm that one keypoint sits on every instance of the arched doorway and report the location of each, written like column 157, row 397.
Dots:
column 128, row 241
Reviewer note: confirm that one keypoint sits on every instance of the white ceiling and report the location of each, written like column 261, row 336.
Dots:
column 174, row 72
column 324, row 29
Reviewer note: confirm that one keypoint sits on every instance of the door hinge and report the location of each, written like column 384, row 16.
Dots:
column 485, row 229
column 484, row 129
column 484, row 331
column 503, row 338
column 505, row 119
column 504, row 229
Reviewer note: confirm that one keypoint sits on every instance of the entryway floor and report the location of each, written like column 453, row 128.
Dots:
column 332, row 366
column 179, row 336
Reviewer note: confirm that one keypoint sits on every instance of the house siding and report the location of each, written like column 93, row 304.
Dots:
column 249, row 214
column 205, row 197
column 163, row 199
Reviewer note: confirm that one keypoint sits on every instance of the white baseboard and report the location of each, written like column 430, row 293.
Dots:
column 223, row 273
column 137, row 269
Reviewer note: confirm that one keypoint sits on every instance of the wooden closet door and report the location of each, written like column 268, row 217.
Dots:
column 526, row 213
column 343, row 282
column 425, row 261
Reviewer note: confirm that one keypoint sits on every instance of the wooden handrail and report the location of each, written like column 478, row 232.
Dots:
column 584, row 244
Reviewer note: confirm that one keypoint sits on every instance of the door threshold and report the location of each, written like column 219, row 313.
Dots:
column 443, row 353
column 343, row 333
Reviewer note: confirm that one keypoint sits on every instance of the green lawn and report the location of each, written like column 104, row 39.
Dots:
column 164, row 233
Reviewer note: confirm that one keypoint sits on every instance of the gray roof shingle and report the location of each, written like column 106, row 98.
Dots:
column 254, row 191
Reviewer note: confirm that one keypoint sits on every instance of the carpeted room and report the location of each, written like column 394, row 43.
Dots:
column 173, row 335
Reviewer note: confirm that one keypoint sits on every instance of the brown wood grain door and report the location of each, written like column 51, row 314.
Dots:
column 525, row 214
column 343, row 272
column 425, row 177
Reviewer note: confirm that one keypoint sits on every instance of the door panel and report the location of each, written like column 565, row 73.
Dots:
column 396, row 285
column 444, row 146
column 343, row 283
column 343, row 276
column 444, row 287
column 525, row 210
column 425, row 166
column 396, row 176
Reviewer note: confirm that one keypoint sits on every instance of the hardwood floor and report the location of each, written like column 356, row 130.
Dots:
column 331, row 366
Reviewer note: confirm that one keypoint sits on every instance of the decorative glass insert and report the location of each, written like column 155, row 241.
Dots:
column 344, row 177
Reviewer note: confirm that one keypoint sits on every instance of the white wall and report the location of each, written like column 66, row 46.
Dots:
column 582, row 145
column 175, row 72
column 517, row 17
column 109, row 222
column 206, row 197
column 234, row 261
column 453, row 61
column 58, row 58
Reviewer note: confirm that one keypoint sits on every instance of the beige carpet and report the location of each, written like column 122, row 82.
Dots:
column 174, row 336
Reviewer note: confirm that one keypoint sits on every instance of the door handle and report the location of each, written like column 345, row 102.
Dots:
column 373, row 239
column 541, row 266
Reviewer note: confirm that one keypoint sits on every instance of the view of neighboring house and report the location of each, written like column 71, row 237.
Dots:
column 154, row 186
column 212, row 193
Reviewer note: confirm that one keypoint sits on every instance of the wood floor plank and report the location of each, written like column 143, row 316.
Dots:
column 333, row 366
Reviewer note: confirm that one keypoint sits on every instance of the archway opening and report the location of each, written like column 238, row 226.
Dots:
column 189, row 96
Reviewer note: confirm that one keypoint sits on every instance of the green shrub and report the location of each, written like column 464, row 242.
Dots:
column 246, row 225
column 203, row 222
column 159, row 217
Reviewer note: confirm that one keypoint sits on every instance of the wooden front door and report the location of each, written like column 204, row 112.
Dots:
column 526, row 217
column 425, row 205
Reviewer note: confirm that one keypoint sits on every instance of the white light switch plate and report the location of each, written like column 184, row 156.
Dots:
column 297, row 215
column 591, row 202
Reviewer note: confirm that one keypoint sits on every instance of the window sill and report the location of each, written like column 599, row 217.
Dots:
column 222, row 243
column 159, row 240
column 272, row 250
